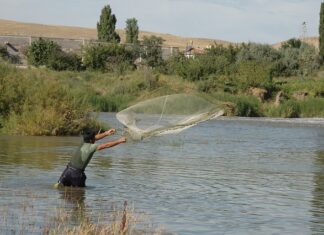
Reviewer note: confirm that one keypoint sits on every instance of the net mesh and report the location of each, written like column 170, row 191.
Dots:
column 166, row 115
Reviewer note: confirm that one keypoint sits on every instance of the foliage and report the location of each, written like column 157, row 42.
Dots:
column 247, row 107
column 229, row 52
column 4, row 52
column 131, row 30
column 64, row 61
column 32, row 105
column 257, row 52
column 292, row 43
column 302, row 61
column 152, row 52
column 108, row 57
column 321, row 33
column 290, row 109
column 39, row 52
column 106, row 26
column 312, row 107
column 254, row 74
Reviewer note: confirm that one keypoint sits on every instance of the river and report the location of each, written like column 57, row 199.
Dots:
column 224, row 176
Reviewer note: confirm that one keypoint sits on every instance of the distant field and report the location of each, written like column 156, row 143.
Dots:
column 8, row 27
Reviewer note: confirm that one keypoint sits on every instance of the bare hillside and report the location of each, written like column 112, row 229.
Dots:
column 8, row 27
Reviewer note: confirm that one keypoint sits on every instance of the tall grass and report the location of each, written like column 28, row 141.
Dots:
column 33, row 104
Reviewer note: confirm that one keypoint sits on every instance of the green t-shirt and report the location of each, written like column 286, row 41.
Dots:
column 83, row 155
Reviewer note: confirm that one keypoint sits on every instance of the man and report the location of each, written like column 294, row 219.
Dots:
column 74, row 174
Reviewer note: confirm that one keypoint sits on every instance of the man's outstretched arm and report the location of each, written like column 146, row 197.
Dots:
column 104, row 134
column 111, row 143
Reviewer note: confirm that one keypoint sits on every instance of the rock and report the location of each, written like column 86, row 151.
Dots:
column 279, row 98
column 258, row 92
column 300, row 95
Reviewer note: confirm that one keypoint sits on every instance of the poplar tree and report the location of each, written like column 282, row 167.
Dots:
column 106, row 26
column 131, row 30
column 321, row 33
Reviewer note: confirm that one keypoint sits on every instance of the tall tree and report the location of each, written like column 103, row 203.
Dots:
column 106, row 26
column 132, row 30
column 321, row 33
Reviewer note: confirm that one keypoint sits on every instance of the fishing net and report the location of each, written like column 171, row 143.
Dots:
column 166, row 115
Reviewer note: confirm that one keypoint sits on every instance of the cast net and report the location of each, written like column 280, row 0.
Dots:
column 166, row 115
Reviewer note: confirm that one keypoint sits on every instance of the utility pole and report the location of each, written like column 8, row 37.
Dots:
column 304, row 32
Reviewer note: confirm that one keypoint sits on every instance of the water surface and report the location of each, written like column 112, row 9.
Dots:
column 225, row 176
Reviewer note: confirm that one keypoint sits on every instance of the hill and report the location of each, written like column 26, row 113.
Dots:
column 14, row 28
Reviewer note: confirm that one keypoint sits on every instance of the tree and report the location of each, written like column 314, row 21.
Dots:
column 321, row 33
column 153, row 50
column 106, row 26
column 292, row 43
column 39, row 52
column 132, row 31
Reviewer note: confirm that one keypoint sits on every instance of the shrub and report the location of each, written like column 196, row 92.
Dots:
column 33, row 105
column 4, row 52
column 39, row 52
column 258, row 53
column 312, row 107
column 61, row 60
column 254, row 74
column 152, row 50
column 292, row 43
column 247, row 107
column 294, row 61
column 108, row 57
column 290, row 109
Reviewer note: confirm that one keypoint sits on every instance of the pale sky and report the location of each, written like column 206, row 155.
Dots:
column 264, row 21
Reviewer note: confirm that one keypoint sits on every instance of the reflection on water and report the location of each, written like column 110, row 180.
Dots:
column 318, row 195
column 74, row 199
column 228, row 176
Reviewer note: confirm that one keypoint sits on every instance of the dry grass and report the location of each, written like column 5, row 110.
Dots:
column 8, row 27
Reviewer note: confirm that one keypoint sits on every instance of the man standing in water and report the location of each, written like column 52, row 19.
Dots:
column 74, row 175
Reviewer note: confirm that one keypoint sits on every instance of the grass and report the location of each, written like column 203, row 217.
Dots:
column 8, row 27
column 38, row 101
column 124, row 221
column 72, row 217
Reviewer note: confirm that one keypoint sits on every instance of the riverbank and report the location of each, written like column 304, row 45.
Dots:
column 39, row 101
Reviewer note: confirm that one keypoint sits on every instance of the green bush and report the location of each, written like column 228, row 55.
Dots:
column 312, row 107
column 31, row 104
column 39, row 52
column 254, row 74
column 292, row 43
column 152, row 50
column 257, row 52
column 4, row 52
column 108, row 57
column 290, row 109
column 247, row 107
column 61, row 60
column 302, row 61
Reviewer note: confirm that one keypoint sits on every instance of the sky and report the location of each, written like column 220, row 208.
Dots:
column 262, row 21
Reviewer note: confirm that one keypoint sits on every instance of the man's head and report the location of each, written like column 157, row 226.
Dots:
column 88, row 135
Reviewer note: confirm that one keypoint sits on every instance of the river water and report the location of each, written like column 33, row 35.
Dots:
column 224, row 176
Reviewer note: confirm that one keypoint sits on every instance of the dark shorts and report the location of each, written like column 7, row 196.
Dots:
column 73, row 177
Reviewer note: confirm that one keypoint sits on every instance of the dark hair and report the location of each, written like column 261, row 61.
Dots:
column 88, row 135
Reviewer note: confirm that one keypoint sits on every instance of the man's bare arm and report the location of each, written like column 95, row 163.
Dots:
column 104, row 134
column 111, row 143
